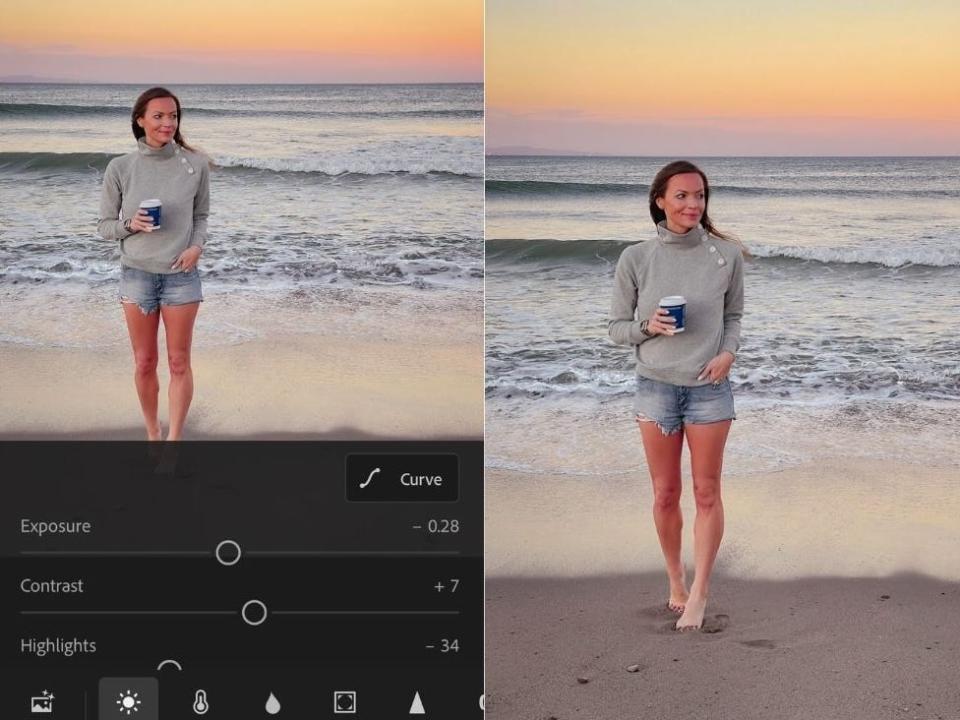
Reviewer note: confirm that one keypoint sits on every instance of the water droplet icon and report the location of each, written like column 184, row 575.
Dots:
column 273, row 705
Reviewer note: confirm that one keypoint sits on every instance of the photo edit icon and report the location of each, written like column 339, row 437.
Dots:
column 42, row 704
column 344, row 702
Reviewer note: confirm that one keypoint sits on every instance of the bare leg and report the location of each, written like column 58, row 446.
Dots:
column 706, row 458
column 143, row 338
column 178, row 323
column 663, row 460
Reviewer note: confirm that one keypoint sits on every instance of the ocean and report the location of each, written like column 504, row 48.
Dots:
column 851, row 334
column 846, row 447
column 357, row 195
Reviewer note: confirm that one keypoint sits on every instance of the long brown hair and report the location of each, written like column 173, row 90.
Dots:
column 140, row 108
column 658, row 188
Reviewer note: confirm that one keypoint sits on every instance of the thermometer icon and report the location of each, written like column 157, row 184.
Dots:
column 200, row 704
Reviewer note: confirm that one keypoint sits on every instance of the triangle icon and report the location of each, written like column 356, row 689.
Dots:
column 416, row 707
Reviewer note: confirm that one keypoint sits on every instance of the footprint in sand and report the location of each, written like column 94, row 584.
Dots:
column 658, row 612
column 715, row 624
column 711, row 624
column 764, row 644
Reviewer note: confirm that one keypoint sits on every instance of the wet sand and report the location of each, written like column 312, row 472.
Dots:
column 811, row 648
column 288, row 386
column 853, row 517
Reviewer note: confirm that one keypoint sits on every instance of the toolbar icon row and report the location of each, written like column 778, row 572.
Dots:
column 139, row 697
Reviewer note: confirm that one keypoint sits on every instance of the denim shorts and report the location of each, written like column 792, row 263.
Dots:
column 671, row 406
column 151, row 290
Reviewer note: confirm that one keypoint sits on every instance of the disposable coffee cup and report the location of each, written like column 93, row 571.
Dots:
column 676, row 305
column 153, row 209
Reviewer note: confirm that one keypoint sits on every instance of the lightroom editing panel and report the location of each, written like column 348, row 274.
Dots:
column 242, row 579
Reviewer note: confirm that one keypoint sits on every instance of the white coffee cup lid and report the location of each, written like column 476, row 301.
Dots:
column 153, row 202
column 672, row 300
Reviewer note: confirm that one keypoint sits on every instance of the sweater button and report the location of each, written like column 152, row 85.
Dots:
column 183, row 160
column 190, row 171
column 721, row 261
column 713, row 248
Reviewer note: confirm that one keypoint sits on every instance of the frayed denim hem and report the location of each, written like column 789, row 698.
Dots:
column 667, row 431
column 145, row 309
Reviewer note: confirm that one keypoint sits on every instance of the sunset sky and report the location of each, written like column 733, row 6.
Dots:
column 284, row 41
column 736, row 77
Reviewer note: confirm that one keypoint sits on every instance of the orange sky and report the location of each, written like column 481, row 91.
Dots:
column 623, row 57
column 732, row 62
column 400, row 38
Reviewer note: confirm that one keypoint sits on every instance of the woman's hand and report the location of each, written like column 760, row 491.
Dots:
column 661, row 323
column 718, row 368
column 142, row 222
column 187, row 260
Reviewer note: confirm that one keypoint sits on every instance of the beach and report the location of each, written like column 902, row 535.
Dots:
column 836, row 590
column 413, row 373
column 342, row 276
column 835, row 595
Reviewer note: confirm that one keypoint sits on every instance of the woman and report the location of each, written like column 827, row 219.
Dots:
column 159, row 278
column 682, row 383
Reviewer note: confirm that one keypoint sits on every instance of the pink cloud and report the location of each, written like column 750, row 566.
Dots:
column 721, row 136
column 232, row 67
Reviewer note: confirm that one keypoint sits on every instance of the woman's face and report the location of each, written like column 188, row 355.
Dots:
column 683, row 201
column 159, row 121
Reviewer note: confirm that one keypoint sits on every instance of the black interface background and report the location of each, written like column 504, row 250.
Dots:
column 350, row 587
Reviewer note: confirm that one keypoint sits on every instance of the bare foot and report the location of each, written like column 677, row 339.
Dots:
column 678, row 590
column 154, row 432
column 692, row 617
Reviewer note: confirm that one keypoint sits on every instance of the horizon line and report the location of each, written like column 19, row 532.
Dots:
column 664, row 157
column 104, row 82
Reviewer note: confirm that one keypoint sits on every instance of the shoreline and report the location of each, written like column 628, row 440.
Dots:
column 286, row 386
column 810, row 647
column 855, row 517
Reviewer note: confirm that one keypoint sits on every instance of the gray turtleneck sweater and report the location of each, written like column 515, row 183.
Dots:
column 708, row 272
column 180, row 179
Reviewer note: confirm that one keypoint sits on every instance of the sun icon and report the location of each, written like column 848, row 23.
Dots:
column 129, row 702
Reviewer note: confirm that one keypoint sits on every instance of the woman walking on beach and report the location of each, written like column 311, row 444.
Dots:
column 683, row 388
column 159, row 278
